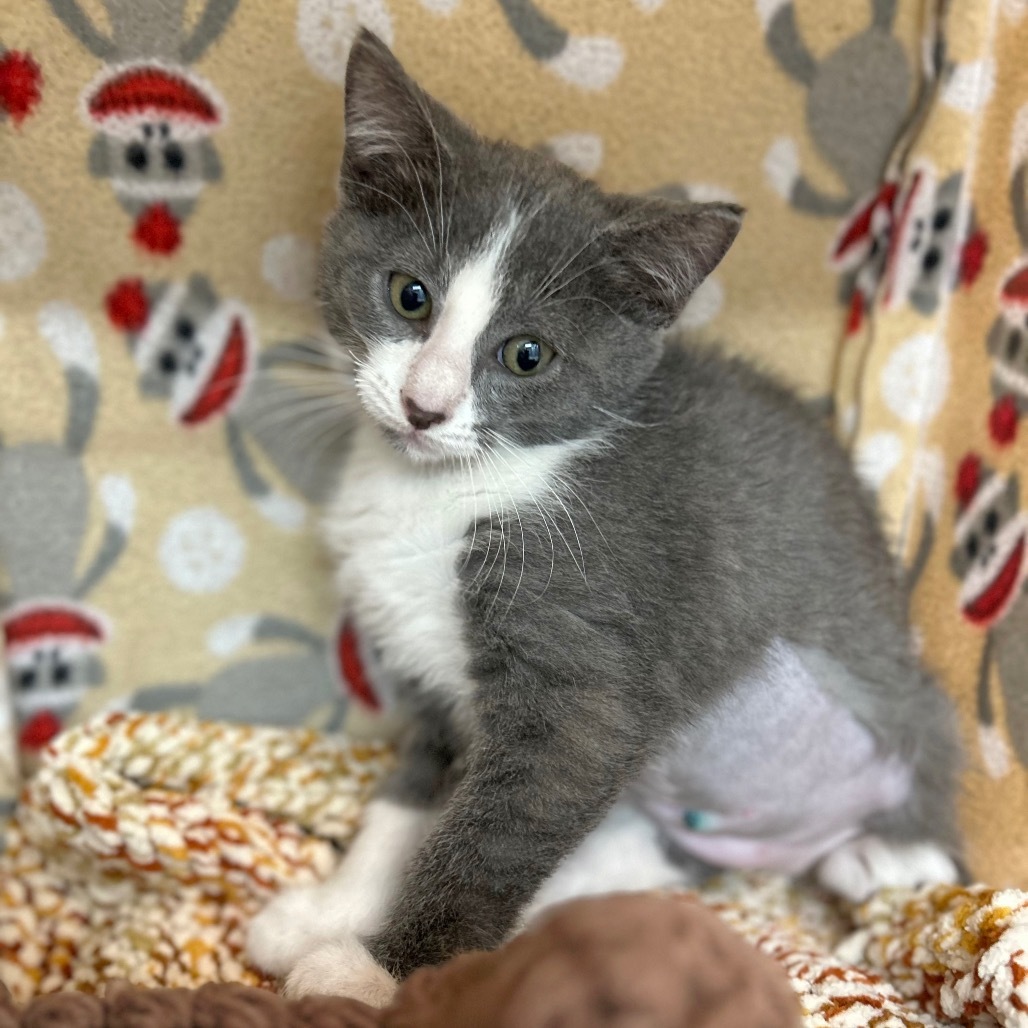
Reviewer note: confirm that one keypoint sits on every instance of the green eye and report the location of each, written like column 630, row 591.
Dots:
column 525, row 355
column 410, row 298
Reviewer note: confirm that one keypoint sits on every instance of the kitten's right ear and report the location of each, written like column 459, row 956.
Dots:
column 396, row 134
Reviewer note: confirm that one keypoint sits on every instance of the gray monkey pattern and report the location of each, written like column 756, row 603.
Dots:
column 589, row 62
column 988, row 557
column 282, row 689
column 197, row 352
column 1008, row 337
column 317, row 675
column 53, row 639
column 152, row 115
column 898, row 233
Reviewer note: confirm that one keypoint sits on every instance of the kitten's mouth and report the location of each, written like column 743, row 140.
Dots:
column 424, row 446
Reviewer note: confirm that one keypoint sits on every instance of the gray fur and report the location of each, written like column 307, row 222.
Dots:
column 711, row 516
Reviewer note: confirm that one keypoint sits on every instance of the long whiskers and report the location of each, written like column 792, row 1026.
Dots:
column 578, row 560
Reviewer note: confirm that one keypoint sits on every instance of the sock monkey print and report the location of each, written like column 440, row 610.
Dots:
column 152, row 115
column 899, row 233
column 589, row 62
column 1008, row 337
column 53, row 639
column 315, row 674
column 197, row 352
column 287, row 688
column 988, row 557
column 21, row 83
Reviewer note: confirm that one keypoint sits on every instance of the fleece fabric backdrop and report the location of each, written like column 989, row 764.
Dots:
column 165, row 168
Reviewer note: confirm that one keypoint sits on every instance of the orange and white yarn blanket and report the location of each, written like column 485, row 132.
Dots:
column 145, row 842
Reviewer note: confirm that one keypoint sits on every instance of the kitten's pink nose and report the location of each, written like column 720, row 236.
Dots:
column 421, row 418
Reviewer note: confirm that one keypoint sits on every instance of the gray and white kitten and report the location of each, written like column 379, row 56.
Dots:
column 631, row 592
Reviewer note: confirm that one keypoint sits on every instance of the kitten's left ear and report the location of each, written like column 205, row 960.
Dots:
column 661, row 251
column 396, row 134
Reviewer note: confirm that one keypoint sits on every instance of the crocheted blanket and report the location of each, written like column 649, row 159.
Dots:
column 144, row 843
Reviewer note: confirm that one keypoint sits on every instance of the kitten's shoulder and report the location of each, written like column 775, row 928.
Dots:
column 700, row 371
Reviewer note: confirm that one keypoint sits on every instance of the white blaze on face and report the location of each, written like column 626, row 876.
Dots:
column 439, row 378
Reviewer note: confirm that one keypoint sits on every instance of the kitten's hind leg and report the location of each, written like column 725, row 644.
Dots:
column 624, row 853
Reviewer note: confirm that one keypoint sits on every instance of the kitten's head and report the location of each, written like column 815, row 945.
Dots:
column 487, row 291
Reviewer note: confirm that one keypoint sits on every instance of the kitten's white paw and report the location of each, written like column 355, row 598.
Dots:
column 868, row 863
column 341, row 968
column 291, row 925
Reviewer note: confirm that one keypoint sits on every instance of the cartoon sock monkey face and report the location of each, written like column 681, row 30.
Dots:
column 152, row 115
column 48, row 682
column 1008, row 347
column 198, row 352
column 157, row 169
column 152, row 160
column 988, row 555
column 921, row 256
column 174, row 351
column 190, row 346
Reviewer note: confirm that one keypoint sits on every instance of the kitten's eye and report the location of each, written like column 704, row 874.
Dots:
column 525, row 355
column 409, row 296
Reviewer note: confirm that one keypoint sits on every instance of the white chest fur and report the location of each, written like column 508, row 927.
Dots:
column 400, row 532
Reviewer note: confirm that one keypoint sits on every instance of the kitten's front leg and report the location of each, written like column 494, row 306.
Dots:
column 354, row 901
column 540, row 778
